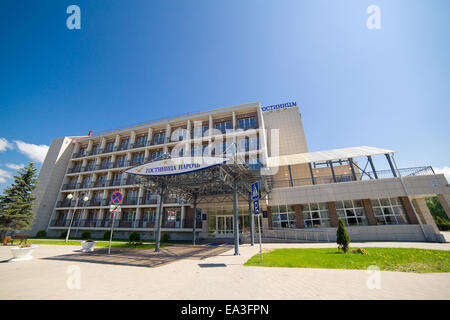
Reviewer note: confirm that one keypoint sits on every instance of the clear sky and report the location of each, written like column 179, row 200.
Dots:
column 134, row 61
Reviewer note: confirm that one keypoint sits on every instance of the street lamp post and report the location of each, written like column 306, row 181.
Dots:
column 70, row 196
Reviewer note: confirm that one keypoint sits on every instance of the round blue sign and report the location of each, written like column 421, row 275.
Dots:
column 116, row 197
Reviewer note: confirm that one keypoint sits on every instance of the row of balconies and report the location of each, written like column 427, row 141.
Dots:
column 157, row 140
column 131, row 201
column 100, row 184
column 131, row 163
column 107, row 223
column 105, row 166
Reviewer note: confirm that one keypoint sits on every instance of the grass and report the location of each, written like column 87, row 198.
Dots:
column 98, row 244
column 387, row 259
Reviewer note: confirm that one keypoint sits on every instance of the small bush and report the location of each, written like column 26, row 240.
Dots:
column 41, row 234
column 342, row 237
column 442, row 224
column 165, row 237
column 134, row 237
column 107, row 235
column 85, row 235
column 63, row 234
column 361, row 251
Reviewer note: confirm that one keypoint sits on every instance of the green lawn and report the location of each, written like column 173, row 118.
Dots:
column 98, row 244
column 387, row 259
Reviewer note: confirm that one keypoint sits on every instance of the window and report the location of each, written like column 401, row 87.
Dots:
column 199, row 131
column 105, row 163
column 149, row 215
column 141, row 141
column 223, row 126
column 179, row 134
column 315, row 215
column 128, row 216
column 177, row 152
column 389, row 211
column 283, row 216
column 156, row 154
column 124, row 144
column 109, row 146
column 95, row 149
column 351, row 212
column 138, row 158
column 198, row 150
column 247, row 123
column 158, row 138
column 248, row 144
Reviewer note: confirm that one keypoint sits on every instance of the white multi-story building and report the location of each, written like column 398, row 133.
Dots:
column 310, row 190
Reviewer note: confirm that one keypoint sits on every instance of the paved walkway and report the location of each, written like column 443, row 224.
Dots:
column 208, row 277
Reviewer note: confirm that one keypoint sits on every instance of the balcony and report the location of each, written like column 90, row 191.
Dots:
column 131, row 201
column 94, row 152
column 59, row 223
column 69, row 186
column 119, row 164
column 147, row 200
column 104, row 166
column 115, row 183
column 88, row 168
column 94, row 203
column 65, row 204
column 139, row 144
column 99, row 183
column 74, row 169
column 78, row 155
column 107, row 149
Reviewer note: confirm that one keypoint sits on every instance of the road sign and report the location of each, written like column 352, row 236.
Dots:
column 255, row 191
column 115, row 208
column 116, row 197
column 256, row 206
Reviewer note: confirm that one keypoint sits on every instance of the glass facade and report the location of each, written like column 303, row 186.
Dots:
column 283, row 216
column 351, row 212
column 315, row 215
column 389, row 211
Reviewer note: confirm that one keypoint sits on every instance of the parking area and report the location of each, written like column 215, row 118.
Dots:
column 186, row 272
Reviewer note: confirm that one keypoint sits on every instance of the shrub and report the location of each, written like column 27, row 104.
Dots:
column 41, row 234
column 342, row 237
column 107, row 235
column 442, row 224
column 361, row 251
column 134, row 237
column 85, row 235
column 165, row 237
column 63, row 234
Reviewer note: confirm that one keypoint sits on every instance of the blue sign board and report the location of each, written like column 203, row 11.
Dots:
column 256, row 206
column 279, row 106
column 255, row 191
column 116, row 198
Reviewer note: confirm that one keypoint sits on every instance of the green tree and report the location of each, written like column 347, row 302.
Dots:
column 16, row 202
column 342, row 237
column 436, row 208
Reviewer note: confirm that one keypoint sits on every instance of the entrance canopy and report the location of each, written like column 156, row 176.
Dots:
column 195, row 178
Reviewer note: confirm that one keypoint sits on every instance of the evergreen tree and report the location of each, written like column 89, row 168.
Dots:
column 342, row 237
column 17, row 200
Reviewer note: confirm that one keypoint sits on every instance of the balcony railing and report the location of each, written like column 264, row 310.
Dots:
column 360, row 176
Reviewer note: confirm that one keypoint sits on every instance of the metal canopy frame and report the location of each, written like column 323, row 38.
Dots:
column 223, row 182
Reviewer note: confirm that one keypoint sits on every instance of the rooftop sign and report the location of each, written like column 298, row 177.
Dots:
column 278, row 106
column 173, row 166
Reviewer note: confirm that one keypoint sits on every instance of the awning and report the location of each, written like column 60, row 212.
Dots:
column 327, row 155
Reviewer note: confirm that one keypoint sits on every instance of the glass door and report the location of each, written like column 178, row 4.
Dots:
column 224, row 226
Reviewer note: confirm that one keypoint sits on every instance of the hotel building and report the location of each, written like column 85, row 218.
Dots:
column 310, row 191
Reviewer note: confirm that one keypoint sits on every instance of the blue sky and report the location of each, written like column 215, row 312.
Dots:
column 134, row 61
